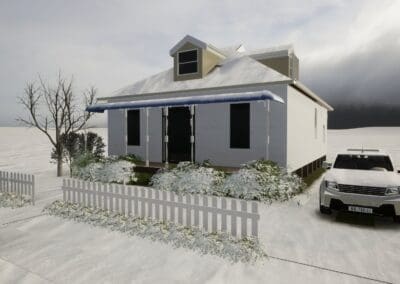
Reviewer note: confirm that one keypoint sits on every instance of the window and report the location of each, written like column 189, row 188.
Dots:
column 324, row 133
column 187, row 62
column 133, row 122
column 315, row 123
column 363, row 162
column 240, row 126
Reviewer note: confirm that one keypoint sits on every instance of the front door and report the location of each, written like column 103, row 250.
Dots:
column 179, row 132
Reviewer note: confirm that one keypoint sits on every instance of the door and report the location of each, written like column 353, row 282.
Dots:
column 179, row 132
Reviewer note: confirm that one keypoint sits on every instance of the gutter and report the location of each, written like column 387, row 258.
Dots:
column 192, row 92
column 306, row 91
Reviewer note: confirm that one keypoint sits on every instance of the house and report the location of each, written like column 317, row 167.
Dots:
column 225, row 105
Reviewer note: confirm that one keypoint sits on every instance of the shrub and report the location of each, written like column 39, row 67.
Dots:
column 189, row 178
column 141, row 178
column 257, row 180
column 263, row 180
column 75, row 145
column 108, row 170
column 131, row 158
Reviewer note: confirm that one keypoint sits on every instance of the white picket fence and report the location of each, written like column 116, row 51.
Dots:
column 210, row 213
column 18, row 183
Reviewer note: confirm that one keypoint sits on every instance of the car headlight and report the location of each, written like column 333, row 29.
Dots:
column 392, row 190
column 331, row 185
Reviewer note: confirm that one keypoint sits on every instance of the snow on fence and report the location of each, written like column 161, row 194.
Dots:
column 212, row 214
column 18, row 183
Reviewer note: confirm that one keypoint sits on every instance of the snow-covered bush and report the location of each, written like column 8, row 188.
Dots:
column 189, row 178
column 8, row 199
column 262, row 180
column 256, row 180
column 109, row 170
column 221, row 244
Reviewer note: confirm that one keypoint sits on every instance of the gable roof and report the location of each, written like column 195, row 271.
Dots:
column 195, row 42
column 229, row 74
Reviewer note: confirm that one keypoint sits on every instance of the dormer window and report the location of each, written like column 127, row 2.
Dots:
column 188, row 62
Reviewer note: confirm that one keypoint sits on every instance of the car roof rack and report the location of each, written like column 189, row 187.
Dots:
column 362, row 150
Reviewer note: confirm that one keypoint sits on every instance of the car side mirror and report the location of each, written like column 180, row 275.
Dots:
column 398, row 171
column 326, row 165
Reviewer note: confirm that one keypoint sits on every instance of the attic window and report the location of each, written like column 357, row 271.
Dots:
column 187, row 62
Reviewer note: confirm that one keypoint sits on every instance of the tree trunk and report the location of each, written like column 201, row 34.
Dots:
column 59, row 165
column 59, row 161
column 70, row 169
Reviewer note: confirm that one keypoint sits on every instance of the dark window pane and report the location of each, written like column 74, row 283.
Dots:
column 187, row 68
column 134, row 127
column 240, row 126
column 187, row 56
column 363, row 162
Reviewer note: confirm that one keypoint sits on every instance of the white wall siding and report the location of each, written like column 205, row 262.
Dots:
column 303, row 145
column 155, row 133
column 155, row 143
column 212, row 133
column 116, row 132
column 212, row 136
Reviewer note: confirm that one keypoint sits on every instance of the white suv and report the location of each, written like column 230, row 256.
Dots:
column 363, row 181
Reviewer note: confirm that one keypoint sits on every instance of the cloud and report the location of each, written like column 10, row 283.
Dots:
column 359, row 67
column 347, row 49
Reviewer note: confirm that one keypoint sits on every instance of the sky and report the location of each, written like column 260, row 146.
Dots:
column 349, row 51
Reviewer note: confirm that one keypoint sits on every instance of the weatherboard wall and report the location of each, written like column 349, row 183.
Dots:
column 213, row 133
column 117, row 134
column 116, row 121
column 306, row 142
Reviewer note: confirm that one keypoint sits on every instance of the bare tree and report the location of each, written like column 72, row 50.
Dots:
column 55, row 111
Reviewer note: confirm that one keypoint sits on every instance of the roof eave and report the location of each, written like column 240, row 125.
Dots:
column 304, row 89
column 196, row 42
column 193, row 90
column 187, row 38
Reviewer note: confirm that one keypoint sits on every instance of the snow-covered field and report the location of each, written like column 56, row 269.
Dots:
column 304, row 247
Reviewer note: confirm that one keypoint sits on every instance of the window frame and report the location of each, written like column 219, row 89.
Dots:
column 127, row 128
column 248, row 144
column 178, row 63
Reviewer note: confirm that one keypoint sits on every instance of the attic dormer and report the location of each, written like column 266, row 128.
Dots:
column 194, row 59
column 282, row 59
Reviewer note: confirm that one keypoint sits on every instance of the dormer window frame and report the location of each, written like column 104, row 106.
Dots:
column 178, row 63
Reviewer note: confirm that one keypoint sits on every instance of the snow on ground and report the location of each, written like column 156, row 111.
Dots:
column 37, row 248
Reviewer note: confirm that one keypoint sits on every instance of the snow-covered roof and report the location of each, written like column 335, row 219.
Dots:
column 238, row 68
column 305, row 90
column 235, row 71
column 234, row 50
column 270, row 52
column 196, row 42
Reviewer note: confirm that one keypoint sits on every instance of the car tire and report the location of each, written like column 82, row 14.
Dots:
column 325, row 210
column 396, row 219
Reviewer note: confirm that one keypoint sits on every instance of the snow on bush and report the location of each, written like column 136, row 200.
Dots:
column 220, row 244
column 263, row 180
column 189, row 178
column 12, row 200
column 256, row 180
column 109, row 170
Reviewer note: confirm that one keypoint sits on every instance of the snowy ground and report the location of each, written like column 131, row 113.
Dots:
column 304, row 247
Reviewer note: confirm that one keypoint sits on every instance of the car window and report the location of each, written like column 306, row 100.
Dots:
column 363, row 162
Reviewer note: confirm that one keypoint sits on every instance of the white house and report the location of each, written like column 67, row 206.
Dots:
column 225, row 105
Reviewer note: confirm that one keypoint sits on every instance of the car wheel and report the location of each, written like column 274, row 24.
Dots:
column 396, row 218
column 325, row 210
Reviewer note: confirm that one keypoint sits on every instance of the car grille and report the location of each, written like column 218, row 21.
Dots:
column 357, row 189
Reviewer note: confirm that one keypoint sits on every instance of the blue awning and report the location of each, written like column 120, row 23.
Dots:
column 187, row 101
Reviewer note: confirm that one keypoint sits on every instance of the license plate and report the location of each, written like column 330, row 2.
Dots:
column 361, row 209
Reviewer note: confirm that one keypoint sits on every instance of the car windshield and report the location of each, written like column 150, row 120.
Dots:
column 363, row 162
